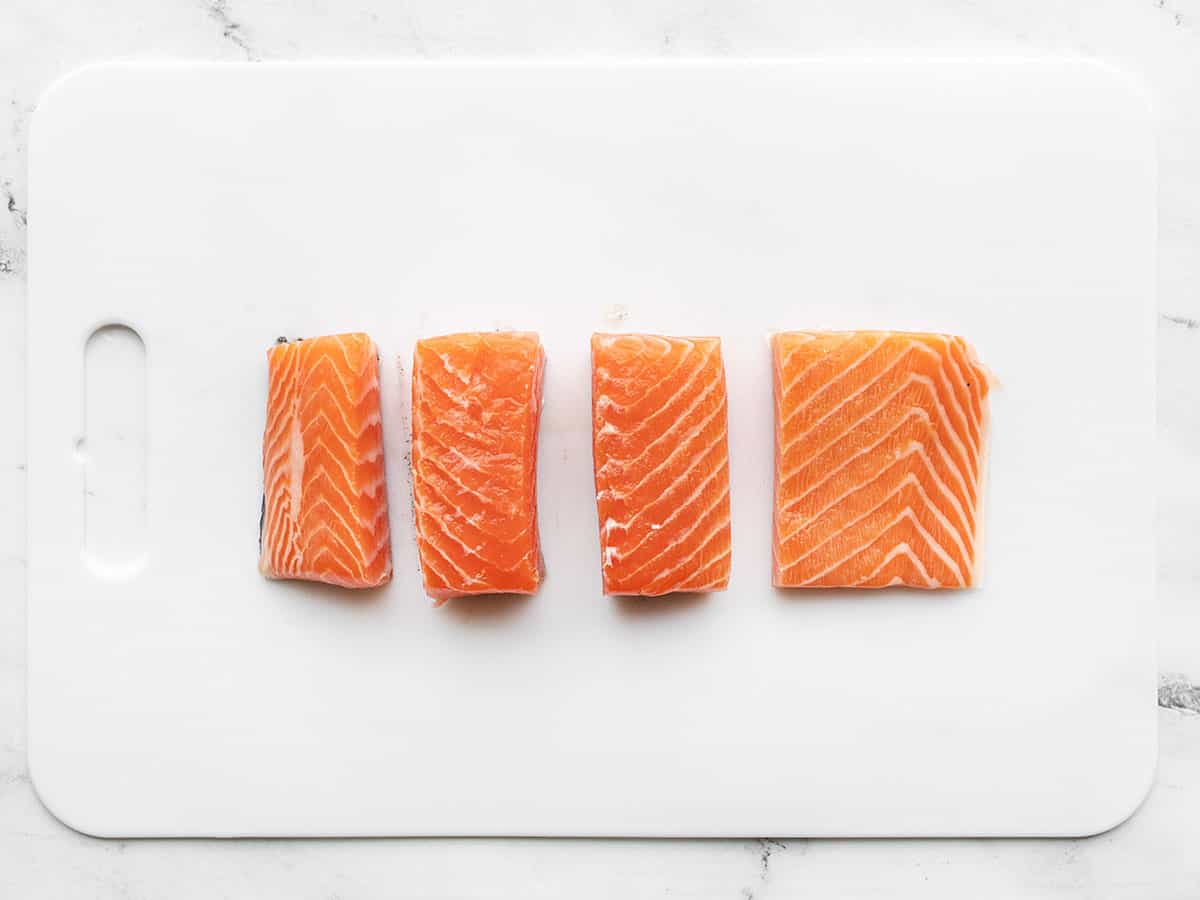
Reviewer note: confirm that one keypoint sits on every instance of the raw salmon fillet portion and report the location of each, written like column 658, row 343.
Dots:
column 325, row 515
column 879, row 459
column 661, row 456
column 476, row 400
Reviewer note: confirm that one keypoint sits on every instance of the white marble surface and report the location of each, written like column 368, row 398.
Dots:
column 1152, row 856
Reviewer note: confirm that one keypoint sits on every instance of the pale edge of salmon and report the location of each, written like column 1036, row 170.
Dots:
column 368, row 564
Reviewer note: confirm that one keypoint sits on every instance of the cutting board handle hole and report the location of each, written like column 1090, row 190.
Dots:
column 112, row 452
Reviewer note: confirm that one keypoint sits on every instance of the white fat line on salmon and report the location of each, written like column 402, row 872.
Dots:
column 683, row 443
column 717, row 562
column 371, row 522
column 901, row 548
column 925, row 382
column 969, row 458
column 784, row 478
column 295, row 461
column 444, row 502
column 430, row 547
column 959, row 387
column 656, row 582
column 440, row 525
column 425, row 382
column 426, row 534
column 719, row 467
column 361, row 373
column 429, row 569
column 371, row 488
column 714, row 532
column 279, row 522
column 966, row 473
column 430, row 461
column 344, row 343
column 839, row 376
column 330, row 453
column 382, row 545
column 909, row 480
column 967, row 522
column 824, row 358
column 782, row 364
column 976, row 402
column 283, row 384
column 718, row 583
column 609, row 556
column 911, row 346
column 906, row 513
column 342, row 405
column 809, row 522
column 620, row 463
column 489, row 457
column 323, row 478
column 352, row 554
column 347, row 522
column 452, row 423
column 452, row 370
column 686, row 586
column 663, row 343
column 604, row 400
column 698, row 458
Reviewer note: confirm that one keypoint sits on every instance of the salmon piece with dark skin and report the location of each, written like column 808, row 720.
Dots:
column 325, row 512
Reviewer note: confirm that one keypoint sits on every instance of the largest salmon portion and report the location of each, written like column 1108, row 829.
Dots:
column 880, row 444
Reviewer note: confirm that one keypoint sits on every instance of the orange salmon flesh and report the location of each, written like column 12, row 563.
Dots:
column 879, row 459
column 661, row 458
column 476, row 399
column 325, row 513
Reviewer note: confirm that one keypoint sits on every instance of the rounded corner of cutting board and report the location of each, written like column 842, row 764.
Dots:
column 1122, row 802
column 59, row 94
column 58, row 802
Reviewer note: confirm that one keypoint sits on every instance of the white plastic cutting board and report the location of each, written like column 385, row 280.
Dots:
column 173, row 691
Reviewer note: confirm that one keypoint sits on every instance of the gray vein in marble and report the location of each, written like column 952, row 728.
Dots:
column 20, row 115
column 231, row 29
column 1185, row 321
column 17, row 212
column 1175, row 14
column 767, row 847
column 1177, row 693
column 12, row 261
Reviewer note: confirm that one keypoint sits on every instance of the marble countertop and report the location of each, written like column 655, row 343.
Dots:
column 1151, row 856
